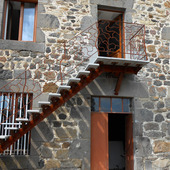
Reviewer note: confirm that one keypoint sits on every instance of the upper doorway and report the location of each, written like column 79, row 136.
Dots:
column 110, row 27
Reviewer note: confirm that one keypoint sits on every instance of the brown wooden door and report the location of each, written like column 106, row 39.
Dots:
column 99, row 141
column 129, row 143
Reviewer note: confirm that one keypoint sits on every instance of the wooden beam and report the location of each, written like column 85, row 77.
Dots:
column 119, row 69
column 118, row 84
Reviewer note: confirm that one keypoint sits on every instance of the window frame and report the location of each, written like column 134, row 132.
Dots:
column 111, row 108
column 119, row 53
column 21, row 18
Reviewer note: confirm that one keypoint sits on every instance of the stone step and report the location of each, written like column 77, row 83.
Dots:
column 33, row 111
column 22, row 119
column 11, row 128
column 73, row 80
column 92, row 65
column 83, row 73
column 63, row 87
column 4, row 136
column 56, row 95
column 41, row 103
column 11, row 123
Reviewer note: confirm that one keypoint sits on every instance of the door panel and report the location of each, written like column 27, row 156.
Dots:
column 99, row 141
column 129, row 143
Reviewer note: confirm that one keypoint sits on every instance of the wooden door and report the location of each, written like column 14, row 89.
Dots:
column 129, row 143
column 99, row 141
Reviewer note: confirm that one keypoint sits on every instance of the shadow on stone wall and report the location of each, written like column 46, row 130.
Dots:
column 61, row 141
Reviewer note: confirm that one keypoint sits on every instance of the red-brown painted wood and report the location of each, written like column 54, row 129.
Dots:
column 99, row 141
column 118, row 84
column 47, row 110
column 129, row 143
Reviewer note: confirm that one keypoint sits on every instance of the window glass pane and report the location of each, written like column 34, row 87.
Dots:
column 126, row 105
column 12, row 20
column 29, row 102
column 28, row 22
column 5, row 101
column 95, row 104
column 116, row 105
column 10, row 105
column 0, row 99
column 19, row 104
column 105, row 104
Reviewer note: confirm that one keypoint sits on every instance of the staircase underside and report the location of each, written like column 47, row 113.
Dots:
column 119, row 67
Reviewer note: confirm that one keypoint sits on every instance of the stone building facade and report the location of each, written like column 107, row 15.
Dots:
column 62, row 141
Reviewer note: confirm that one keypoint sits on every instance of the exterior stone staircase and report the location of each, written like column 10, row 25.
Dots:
column 98, row 65
column 65, row 92
column 55, row 100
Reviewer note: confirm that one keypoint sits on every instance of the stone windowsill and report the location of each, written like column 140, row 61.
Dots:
column 20, row 45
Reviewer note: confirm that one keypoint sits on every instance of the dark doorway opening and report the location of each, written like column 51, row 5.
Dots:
column 116, row 129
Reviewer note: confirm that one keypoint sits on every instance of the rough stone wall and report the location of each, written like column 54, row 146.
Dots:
column 153, row 114
column 62, row 141
column 70, row 148
column 54, row 142
column 58, row 21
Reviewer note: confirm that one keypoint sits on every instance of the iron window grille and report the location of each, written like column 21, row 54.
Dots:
column 13, row 108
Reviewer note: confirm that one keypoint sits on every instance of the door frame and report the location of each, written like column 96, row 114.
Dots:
column 96, row 118
column 120, row 18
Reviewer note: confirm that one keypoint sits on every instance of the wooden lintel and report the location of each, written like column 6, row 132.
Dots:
column 118, row 84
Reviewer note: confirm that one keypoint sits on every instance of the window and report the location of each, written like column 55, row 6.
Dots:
column 109, row 104
column 13, row 108
column 19, row 20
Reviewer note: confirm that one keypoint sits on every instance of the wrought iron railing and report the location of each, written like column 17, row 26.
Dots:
column 121, row 40
column 103, row 38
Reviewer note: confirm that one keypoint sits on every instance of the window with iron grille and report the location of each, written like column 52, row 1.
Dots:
column 13, row 112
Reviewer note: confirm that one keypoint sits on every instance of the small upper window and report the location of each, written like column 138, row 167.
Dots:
column 109, row 104
column 19, row 20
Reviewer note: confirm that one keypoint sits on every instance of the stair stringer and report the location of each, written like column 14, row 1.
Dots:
column 49, row 109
